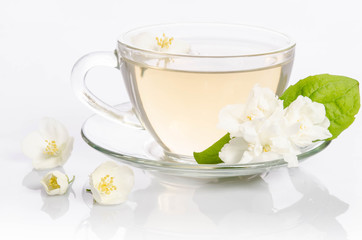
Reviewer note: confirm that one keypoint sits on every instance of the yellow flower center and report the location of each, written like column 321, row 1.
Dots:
column 261, row 109
column 106, row 185
column 51, row 149
column 250, row 116
column 266, row 148
column 164, row 42
column 53, row 183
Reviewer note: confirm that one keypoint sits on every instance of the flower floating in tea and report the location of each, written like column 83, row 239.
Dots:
column 267, row 128
column 165, row 44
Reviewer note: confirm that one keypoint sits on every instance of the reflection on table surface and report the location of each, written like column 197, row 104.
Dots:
column 282, row 204
column 54, row 206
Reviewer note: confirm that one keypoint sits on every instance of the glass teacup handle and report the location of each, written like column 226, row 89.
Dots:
column 124, row 112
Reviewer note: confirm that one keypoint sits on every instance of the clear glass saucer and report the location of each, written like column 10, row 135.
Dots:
column 137, row 148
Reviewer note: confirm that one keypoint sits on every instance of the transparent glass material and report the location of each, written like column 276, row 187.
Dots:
column 177, row 97
column 137, row 148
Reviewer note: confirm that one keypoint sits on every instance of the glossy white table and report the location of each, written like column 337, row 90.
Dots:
column 40, row 41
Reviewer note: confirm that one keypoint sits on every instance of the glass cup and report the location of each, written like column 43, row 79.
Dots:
column 176, row 97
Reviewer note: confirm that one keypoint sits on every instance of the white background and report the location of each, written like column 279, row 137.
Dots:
column 40, row 40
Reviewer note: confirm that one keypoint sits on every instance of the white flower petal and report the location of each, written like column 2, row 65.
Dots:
column 233, row 151
column 230, row 118
column 292, row 112
column 177, row 46
column 247, row 157
column 315, row 111
column 117, row 183
column 144, row 40
column 267, row 156
column 308, row 136
column 52, row 129
column 33, row 145
column 313, row 123
column 55, row 183
column 279, row 144
column 48, row 147
column 66, row 150
column 148, row 41
column 262, row 102
column 249, row 131
column 291, row 159
column 325, row 123
column 44, row 161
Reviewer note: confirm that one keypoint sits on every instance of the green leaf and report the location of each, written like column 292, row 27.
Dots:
column 340, row 96
column 211, row 155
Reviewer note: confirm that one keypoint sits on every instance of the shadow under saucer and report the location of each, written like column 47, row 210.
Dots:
column 284, row 203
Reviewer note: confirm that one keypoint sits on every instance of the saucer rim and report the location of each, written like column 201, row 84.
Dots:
column 148, row 163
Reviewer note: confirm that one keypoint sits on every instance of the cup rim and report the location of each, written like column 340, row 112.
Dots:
column 291, row 45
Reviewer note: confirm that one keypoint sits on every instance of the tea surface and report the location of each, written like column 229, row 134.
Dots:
column 181, row 108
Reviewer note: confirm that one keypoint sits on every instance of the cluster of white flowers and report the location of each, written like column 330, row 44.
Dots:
column 262, row 130
column 51, row 146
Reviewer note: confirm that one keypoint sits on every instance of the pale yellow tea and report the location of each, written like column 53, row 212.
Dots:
column 182, row 107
